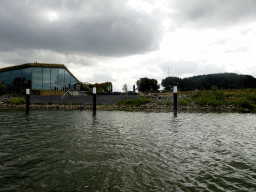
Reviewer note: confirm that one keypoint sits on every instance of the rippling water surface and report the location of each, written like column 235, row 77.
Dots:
column 52, row 150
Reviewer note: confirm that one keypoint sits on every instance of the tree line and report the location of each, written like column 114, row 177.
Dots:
column 200, row 82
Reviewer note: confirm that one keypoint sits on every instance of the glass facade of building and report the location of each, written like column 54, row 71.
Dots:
column 39, row 78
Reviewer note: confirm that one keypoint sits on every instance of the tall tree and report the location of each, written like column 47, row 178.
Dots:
column 125, row 88
column 169, row 82
column 146, row 84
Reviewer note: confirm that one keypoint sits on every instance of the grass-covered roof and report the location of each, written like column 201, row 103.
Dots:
column 43, row 65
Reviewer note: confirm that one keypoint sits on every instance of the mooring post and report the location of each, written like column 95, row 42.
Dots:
column 175, row 100
column 94, row 99
column 27, row 100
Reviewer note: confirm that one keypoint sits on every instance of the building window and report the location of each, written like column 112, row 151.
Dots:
column 73, row 82
column 67, row 80
column 46, row 78
column 37, row 78
column 16, row 78
column 26, row 78
column 61, row 79
column 7, row 78
column 54, row 78
column 61, row 75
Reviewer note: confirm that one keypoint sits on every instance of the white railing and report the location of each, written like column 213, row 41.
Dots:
column 64, row 96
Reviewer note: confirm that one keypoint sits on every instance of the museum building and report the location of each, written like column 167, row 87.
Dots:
column 39, row 76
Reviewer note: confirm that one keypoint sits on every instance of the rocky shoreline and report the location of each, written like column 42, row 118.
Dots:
column 148, row 108
column 155, row 105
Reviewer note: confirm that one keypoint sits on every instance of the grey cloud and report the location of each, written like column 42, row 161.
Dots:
column 101, row 77
column 18, row 57
column 41, row 56
column 177, row 69
column 93, row 28
column 213, row 13
column 55, row 4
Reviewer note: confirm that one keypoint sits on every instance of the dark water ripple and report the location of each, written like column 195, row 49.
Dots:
column 124, row 151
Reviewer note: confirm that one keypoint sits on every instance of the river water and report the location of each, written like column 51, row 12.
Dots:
column 55, row 150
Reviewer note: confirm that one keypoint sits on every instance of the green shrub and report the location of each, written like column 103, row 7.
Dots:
column 245, row 103
column 134, row 102
column 214, row 88
column 214, row 98
column 18, row 101
column 197, row 94
column 208, row 101
column 240, row 93
column 182, row 101
column 125, row 102
column 251, row 97
column 230, row 95
column 219, row 94
column 201, row 101
column 214, row 102
column 2, row 88
column 159, row 102
column 168, row 102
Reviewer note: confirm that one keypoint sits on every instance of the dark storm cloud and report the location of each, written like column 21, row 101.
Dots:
column 85, row 27
column 213, row 13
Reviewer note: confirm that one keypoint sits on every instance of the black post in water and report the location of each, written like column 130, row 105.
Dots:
column 175, row 100
column 94, row 99
column 27, row 100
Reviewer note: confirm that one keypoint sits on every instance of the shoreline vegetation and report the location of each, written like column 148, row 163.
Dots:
column 230, row 100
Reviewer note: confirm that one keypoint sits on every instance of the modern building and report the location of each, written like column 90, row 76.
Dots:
column 39, row 76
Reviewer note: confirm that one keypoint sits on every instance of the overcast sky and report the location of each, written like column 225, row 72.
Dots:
column 123, row 41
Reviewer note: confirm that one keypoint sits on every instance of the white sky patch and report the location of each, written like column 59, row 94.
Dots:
column 52, row 15
column 141, row 5
column 149, row 6
column 119, row 71
column 210, row 45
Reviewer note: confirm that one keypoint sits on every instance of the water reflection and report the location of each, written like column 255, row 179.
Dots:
column 94, row 113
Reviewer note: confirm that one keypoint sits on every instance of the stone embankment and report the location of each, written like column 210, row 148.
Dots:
column 157, row 103
column 5, row 98
column 130, row 108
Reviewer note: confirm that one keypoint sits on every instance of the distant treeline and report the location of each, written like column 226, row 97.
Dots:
column 200, row 82
column 205, row 82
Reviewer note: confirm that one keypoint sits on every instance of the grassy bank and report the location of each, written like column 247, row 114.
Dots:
column 205, row 100
column 244, row 98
